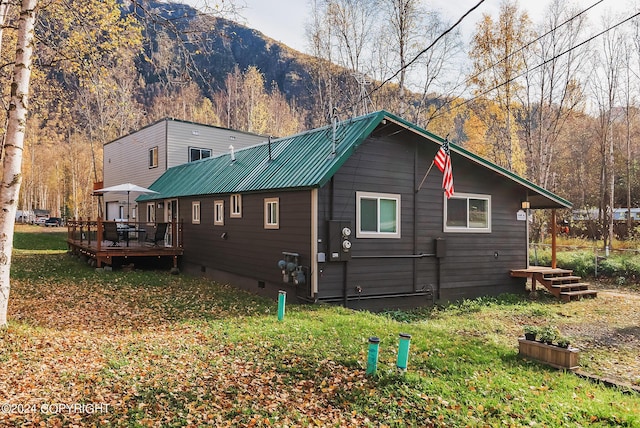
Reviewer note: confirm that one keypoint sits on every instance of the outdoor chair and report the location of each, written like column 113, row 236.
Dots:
column 158, row 234
column 111, row 233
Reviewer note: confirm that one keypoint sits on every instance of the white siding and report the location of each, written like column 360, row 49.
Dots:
column 126, row 160
column 183, row 135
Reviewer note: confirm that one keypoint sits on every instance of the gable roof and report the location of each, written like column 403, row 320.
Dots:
column 306, row 160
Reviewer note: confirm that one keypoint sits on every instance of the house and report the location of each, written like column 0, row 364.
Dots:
column 346, row 214
column 25, row 216
column 143, row 156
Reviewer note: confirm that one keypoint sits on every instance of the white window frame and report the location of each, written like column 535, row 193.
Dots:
column 378, row 196
column 271, row 210
column 467, row 228
column 201, row 151
column 195, row 212
column 218, row 213
column 153, row 157
column 235, row 201
column 151, row 212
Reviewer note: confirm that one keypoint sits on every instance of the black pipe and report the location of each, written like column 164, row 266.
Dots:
column 398, row 256
column 345, row 292
column 374, row 297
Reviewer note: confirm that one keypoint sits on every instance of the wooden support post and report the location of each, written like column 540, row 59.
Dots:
column 554, row 233
column 99, row 230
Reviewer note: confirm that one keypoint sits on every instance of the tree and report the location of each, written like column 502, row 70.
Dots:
column 12, row 159
column 497, row 63
column 245, row 105
column 605, row 85
column 553, row 91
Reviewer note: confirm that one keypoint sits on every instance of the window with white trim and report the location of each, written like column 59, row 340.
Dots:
column 272, row 213
column 236, row 206
column 466, row 212
column 151, row 212
column 153, row 157
column 195, row 212
column 218, row 213
column 377, row 215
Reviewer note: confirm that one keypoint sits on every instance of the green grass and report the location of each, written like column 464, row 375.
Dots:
column 167, row 350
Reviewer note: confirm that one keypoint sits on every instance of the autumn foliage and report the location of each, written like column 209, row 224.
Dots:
column 158, row 350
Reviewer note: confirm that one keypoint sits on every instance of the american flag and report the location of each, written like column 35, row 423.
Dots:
column 443, row 162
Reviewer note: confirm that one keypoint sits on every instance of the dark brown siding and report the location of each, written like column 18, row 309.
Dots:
column 247, row 249
column 394, row 266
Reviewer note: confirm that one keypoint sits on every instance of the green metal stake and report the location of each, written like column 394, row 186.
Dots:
column 282, row 298
column 372, row 359
column 403, row 351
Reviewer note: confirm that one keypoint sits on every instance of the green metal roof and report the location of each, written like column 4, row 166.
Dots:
column 304, row 160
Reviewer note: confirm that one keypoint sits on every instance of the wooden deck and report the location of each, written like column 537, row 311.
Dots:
column 132, row 242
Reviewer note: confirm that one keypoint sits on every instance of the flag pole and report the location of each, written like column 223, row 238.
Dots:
column 425, row 177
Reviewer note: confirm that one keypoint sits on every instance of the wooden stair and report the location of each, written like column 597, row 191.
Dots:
column 560, row 282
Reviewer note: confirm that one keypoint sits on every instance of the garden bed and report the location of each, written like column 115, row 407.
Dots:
column 552, row 355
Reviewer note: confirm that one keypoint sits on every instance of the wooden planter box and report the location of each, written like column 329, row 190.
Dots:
column 560, row 358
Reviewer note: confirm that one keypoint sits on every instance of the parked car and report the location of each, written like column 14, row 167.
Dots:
column 40, row 221
column 53, row 222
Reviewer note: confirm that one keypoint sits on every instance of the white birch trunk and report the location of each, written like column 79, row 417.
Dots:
column 12, row 160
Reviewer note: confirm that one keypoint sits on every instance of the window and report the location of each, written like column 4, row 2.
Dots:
column 236, row 206
column 377, row 215
column 197, row 154
column 218, row 213
column 153, row 157
column 272, row 213
column 151, row 212
column 195, row 212
column 467, row 213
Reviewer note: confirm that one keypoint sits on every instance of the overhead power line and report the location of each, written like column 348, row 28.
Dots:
column 552, row 30
column 425, row 50
column 590, row 39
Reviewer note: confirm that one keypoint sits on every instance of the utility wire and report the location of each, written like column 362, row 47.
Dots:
column 552, row 30
column 447, row 31
column 590, row 39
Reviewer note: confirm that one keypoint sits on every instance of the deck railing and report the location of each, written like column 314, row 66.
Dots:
column 91, row 232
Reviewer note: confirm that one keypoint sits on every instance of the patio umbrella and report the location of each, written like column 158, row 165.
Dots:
column 125, row 188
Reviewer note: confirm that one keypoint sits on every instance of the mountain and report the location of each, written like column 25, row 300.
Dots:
column 217, row 46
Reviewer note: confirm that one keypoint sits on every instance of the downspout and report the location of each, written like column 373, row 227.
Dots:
column 166, row 144
column 415, row 221
column 314, row 244
column 345, row 294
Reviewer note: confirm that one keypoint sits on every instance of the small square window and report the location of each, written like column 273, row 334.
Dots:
column 272, row 213
column 218, row 213
column 195, row 212
column 377, row 215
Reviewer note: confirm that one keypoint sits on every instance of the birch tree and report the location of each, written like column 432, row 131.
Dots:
column 605, row 84
column 497, row 63
column 12, row 159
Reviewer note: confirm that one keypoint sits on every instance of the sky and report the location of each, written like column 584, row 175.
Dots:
column 285, row 20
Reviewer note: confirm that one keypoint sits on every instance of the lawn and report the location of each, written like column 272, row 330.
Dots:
column 123, row 349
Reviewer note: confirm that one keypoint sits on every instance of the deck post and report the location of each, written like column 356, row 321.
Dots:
column 99, row 234
column 554, row 232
